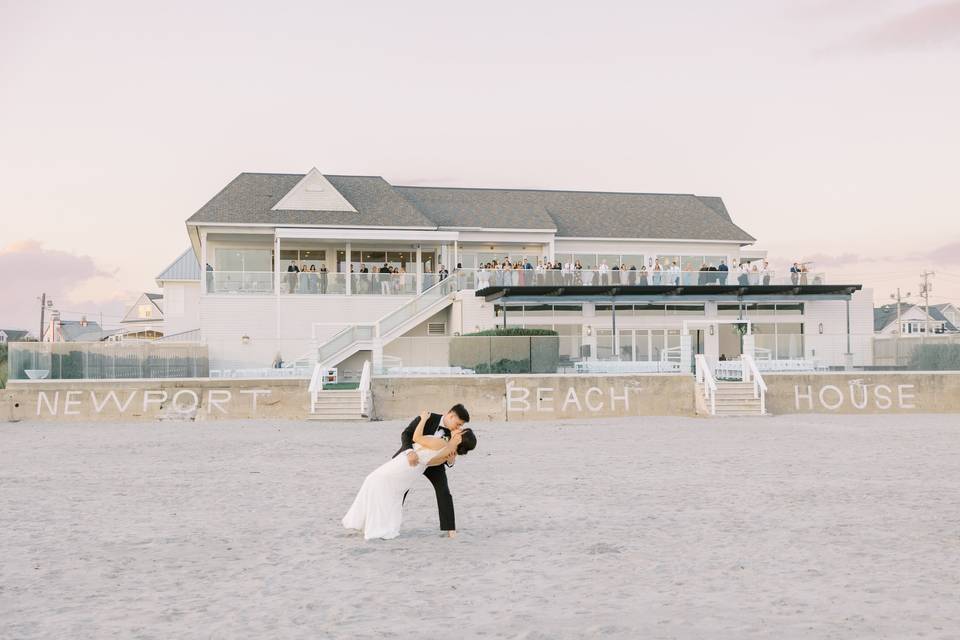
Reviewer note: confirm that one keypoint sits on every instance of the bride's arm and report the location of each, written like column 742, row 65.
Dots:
column 425, row 441
column 444, row 453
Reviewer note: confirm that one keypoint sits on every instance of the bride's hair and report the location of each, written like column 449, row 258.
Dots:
column 468, row 443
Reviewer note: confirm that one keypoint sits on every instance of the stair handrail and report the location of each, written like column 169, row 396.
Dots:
column 759, row 385
column 706, row 377
column 365, row 394
column 453, row 278
column 316, row 383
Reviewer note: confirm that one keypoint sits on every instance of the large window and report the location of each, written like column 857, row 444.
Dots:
column 244, row 259
column 302, row 258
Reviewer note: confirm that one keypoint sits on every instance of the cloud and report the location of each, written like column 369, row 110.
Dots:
column 930, row 26
column 74, row 282
column 948, row 254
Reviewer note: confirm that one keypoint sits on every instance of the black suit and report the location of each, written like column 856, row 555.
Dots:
column 436, row 475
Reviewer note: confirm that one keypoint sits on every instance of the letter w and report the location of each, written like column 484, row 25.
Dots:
column 98, row 406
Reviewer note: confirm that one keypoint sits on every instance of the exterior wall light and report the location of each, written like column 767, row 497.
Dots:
column 820, row 328
column 589, row 330
column 711, row 329
column 245, row 339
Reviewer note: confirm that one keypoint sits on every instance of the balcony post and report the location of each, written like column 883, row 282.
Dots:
column 203, row 263
column 419, row 270
column 346, row 267
column 276, row 264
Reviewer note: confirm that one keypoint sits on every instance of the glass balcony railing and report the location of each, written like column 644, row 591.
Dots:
column 482, row 278
column 240, row 282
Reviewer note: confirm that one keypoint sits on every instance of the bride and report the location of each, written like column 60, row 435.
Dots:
column 378, row 508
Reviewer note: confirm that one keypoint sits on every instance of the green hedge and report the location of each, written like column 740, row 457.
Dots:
column 3, row 366
column 514, row 331
column 936, row 357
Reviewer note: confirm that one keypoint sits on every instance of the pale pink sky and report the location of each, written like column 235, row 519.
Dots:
column 829, row 127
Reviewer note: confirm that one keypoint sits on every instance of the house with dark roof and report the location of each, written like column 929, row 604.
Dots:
column 12, row 335
column 81, row 330
column 914, row 320
column 336, row 268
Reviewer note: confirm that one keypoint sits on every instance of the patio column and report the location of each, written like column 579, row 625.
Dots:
column 419, row 270
column 346, row 266
column 615, row 342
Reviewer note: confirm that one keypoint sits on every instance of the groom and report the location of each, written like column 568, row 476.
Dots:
column 442, row 426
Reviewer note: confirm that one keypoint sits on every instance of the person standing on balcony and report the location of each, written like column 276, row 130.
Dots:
column 675, row 274
column 765, row 272
column 323, row 278
column 292, row 272
column 724, row 270
column 795, row 273
column 384, row 277
column 657, row 273
column 603, row 270
column 312, row 283
column 643, row 275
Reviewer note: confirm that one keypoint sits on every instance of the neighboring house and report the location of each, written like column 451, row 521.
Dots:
column 82, row 330
column 12, row 335
column 913, row 320
column 173, row 313
column 261, row 226
column 949, row 311
column 180, row 282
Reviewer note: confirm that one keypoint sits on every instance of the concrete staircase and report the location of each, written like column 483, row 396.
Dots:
column 336, row 404
column 734, row 399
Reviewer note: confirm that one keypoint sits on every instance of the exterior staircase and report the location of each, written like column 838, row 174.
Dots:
column 746, row 397
column 339, row 404
column 734, row 399
column 367, row 336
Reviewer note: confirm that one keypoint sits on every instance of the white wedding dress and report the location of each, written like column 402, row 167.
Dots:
column 378, row 508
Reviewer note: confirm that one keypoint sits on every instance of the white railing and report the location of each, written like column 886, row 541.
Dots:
column 366, row 396
column 671, row 354
column 706, row 378
column 752, row 374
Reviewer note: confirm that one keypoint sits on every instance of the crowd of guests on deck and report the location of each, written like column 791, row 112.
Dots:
column 523, row 272
column 386, row 279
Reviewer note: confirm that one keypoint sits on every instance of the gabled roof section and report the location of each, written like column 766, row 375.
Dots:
column 250, row 199
column 260, row 198
column 313, row 193
column 184, row 268
column 487, row 208
column 13, row 335
column 153, row 299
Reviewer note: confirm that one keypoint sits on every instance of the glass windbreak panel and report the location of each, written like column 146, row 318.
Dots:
column 538, row 312
column 567, row 310
column 657, row 343
column 604, row 344
column 764, row 340
column 626, row 344
column 790, row 309
column 642, row 342
column 649, row 310
column 685, row 309
column 570, row 341
column 789, row 340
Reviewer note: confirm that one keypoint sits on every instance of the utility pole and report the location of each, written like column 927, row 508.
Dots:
column 899, row 325
column 43, row 307
column 925, row 292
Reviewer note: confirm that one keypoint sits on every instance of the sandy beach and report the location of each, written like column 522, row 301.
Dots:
column 789, row 527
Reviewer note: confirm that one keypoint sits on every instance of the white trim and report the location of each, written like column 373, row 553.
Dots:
column 658, row 240
column 368, row 234
column 314, row 193
column 297, row 225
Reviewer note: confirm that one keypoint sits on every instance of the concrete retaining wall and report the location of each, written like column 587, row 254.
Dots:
column 183, row 399
column 502, row 398
column 537, row 397
column 863, row 392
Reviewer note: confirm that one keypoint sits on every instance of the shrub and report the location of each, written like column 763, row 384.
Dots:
column 514, row 331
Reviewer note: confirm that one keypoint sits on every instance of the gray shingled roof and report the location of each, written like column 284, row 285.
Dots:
column 185, row 267
column 883, row 316
column 250, row 196
column 249, row 199
column 14, row 335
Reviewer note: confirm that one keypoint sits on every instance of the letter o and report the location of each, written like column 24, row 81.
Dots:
column 178, row 408
column 839, row 397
